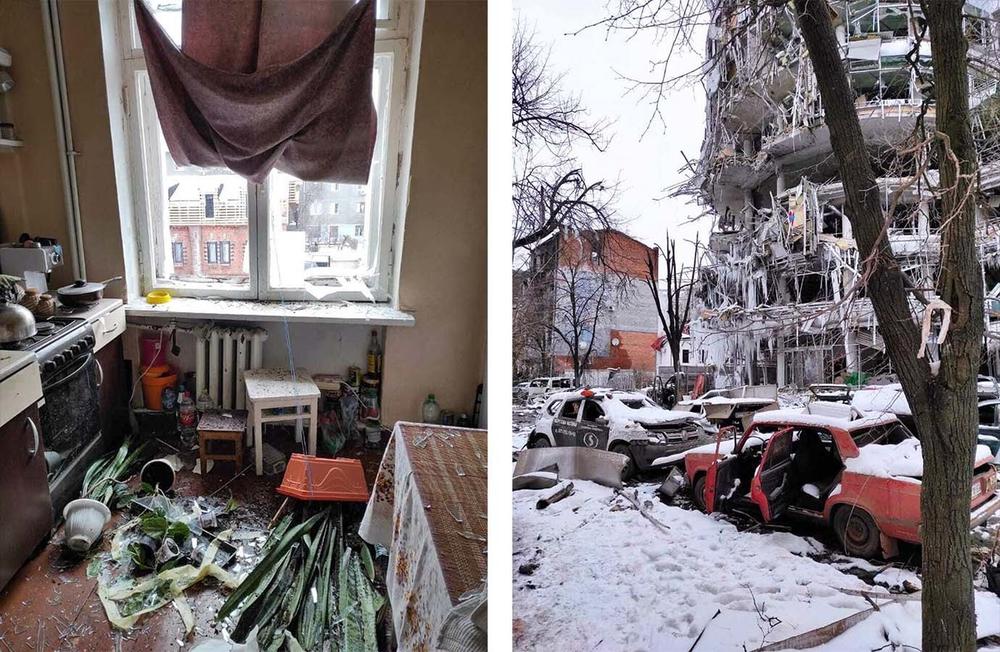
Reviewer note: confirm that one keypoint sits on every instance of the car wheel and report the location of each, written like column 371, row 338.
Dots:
column 539, row 441
column 857, row 532
column 623, row 449
column 698, row 492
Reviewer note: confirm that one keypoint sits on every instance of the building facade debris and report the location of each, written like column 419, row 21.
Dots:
column 781, row 295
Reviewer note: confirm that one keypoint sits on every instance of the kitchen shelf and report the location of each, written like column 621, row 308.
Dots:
column 7, row 145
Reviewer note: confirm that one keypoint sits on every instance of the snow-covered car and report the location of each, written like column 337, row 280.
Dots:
column 890, row 398
column 733, row 406
column 622, row 422
column 858, row 473
column 547, row 385
column 989, row 425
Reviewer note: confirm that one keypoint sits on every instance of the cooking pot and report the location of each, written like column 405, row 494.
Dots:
column 83, row 293
column 16, row 323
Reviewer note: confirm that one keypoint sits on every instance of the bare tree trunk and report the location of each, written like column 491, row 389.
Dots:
column 675, row 355
column 944, row 404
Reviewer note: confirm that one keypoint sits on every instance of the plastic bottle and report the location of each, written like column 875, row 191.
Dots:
column 205, row 402
column 187, row 419
column 431, row 410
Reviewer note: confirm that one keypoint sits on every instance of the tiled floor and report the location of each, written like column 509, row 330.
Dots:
column 52, row 604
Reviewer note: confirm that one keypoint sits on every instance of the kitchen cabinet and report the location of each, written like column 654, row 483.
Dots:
column 25, row 506
column 112, row 392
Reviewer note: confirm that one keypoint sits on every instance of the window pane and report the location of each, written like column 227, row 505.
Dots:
column 194, row 210
column 207, row 206
column 321, row 234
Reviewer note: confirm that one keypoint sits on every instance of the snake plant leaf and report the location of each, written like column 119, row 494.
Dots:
column 261, row 571
column 366, row 560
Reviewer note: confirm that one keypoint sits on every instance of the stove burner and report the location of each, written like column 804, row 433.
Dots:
column 47, row 331
column 72, row 310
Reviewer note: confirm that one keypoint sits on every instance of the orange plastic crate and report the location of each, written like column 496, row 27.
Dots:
column 321, row 478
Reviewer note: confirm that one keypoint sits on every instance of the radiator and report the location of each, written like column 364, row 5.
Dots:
column 221, row 357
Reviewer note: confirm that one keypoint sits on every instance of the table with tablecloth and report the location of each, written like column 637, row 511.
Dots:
column 428, row 507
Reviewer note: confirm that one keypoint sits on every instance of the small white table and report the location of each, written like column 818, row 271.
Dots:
column 271, row 389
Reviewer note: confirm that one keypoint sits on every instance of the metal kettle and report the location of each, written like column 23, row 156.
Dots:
column 16, row 323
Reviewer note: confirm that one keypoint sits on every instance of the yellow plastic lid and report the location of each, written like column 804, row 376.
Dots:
column 158, row 296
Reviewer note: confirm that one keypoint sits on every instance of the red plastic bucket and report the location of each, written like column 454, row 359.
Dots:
column 153, row 349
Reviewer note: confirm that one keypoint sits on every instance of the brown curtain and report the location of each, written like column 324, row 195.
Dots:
column 259, row 84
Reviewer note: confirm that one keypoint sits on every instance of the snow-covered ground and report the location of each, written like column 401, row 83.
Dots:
column 591, row 572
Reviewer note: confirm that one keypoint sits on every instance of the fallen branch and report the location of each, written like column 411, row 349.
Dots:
column 663, row 527
column 820, row 635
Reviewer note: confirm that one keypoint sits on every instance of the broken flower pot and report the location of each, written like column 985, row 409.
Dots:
column 85, row 520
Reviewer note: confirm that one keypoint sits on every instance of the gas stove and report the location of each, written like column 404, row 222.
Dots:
column 58, row 342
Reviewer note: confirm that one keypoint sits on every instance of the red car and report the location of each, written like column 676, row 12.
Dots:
column 858, row 473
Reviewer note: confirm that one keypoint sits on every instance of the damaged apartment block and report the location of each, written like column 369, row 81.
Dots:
column 779, row 299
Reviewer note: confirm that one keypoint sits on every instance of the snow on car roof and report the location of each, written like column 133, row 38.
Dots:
column 601, row 392
column 895, row 460
column 802, row 417
column 887, row 398
column 723, row 400
column 613, row 401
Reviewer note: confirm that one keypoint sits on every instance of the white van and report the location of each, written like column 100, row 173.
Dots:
column 544, row 386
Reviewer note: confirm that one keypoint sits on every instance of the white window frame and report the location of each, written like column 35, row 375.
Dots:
column 392, row 38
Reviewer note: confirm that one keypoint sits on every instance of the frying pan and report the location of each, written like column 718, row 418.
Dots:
column 83, row 293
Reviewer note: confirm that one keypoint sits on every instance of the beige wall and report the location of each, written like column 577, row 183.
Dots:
column 443, row 269
column 443, row 265
column 31, row 187
column 31, row 196
column 102, row 235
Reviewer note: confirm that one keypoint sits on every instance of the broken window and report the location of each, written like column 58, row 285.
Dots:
column 291, row 254
column 592, row 411
column 571, row 409
column 905, row 219
column 833, row 222
column 887, row 434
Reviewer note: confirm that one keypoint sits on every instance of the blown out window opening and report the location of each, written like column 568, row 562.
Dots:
column 281, row 239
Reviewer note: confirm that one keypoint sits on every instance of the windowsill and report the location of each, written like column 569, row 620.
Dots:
column 315, row 312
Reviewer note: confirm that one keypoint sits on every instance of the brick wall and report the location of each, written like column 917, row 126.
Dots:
column 620, row 253
column 632, row 352
column 193, row 238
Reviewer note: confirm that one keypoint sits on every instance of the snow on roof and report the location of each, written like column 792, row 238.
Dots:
column 801, row 417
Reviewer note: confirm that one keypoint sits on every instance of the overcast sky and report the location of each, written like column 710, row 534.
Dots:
column 594, row 63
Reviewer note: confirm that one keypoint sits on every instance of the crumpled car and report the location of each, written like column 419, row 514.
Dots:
column 859, row 473
column 622, row 422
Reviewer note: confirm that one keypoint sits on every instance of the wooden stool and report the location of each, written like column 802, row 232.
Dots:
column 221, row 426
column 280, row 389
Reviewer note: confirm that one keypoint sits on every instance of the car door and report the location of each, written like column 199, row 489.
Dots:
column 565, row 423
column 720, row 483
column 593, row 429
column 769, row 489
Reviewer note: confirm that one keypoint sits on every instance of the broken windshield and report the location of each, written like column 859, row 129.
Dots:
column 892, row 433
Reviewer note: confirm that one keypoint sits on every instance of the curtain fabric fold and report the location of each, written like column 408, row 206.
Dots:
column 262, row 84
